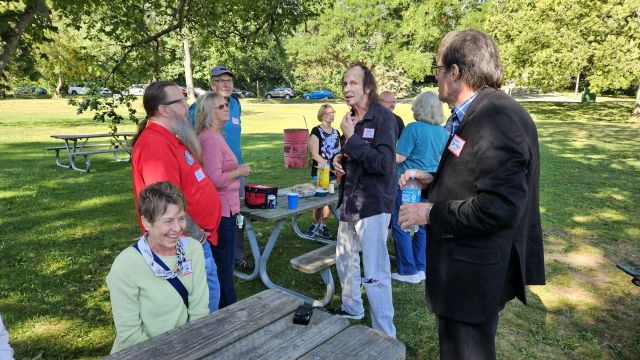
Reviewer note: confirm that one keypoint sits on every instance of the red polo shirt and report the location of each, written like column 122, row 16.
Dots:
column 159, row 156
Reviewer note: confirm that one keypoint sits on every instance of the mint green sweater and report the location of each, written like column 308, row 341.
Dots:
column 145, row 305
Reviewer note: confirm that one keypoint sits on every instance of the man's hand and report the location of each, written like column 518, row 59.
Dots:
column 414, row 214
column 424, row 178
column 337, row 165
column 348, row 125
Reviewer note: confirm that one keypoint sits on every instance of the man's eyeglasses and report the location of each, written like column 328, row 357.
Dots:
column 222, row 106
column 434, row 69
column 223, row 81
column 183, row 101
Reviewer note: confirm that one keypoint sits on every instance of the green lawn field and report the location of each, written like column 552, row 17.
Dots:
column 61, row 230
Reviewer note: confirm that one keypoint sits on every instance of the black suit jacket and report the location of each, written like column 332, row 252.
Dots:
column 485, row 237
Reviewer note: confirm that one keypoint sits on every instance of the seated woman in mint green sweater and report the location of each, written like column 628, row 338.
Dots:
column 159, row 283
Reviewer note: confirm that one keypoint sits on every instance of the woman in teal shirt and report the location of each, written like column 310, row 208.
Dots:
column 419, row 147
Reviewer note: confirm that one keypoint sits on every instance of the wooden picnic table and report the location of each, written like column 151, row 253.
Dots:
column 79, row 145
column 280, row 216
column 261, row 327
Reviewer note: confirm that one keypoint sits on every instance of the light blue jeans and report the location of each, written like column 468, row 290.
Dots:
column 212, row 277
column 369, row 236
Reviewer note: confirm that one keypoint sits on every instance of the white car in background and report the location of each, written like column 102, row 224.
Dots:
column 137, row 90
column 78, row 89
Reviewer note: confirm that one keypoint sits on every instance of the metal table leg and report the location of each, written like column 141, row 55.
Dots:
column 255, row 251
column 273, row 238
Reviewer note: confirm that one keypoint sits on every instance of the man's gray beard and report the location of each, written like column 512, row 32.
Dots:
column 183, row 131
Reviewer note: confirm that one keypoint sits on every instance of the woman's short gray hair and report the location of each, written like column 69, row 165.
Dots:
column 426, row 107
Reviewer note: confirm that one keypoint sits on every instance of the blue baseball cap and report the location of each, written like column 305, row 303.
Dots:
column 219, row 70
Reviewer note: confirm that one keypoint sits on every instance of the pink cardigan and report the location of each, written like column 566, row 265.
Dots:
column 218, row 161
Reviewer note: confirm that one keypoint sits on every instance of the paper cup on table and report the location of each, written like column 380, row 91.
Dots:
column 292, row 200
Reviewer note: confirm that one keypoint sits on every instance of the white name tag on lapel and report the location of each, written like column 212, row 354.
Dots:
column 456, row 145
column 368, row 133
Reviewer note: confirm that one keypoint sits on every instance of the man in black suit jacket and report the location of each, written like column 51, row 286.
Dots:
column 485, row 237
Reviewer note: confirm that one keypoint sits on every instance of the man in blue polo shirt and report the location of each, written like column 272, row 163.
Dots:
column 222, row 83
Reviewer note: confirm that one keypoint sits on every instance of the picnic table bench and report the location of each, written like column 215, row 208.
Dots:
column 79, row 146
column 261, row 327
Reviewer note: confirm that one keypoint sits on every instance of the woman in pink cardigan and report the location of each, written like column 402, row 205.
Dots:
column 221, row 165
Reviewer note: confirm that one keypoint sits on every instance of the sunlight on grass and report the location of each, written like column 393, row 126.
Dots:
column 107, row 200
column 583, row 257
column 570, row 294
column 44, row 327
column 55, row 263
column 602, row 215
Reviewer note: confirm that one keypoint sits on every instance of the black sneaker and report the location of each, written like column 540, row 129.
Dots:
column 313, row 229
column 324, row 232
column 346, row 315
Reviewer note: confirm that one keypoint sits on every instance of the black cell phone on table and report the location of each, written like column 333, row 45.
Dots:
column 303, row 314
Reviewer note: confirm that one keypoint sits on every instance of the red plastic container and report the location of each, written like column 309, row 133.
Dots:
column 296, row 145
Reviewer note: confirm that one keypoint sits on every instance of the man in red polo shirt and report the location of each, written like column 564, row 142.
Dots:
column 167, row 149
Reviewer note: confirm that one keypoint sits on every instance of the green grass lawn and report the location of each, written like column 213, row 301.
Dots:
column 62, row 229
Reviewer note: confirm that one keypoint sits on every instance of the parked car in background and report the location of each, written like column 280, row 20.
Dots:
column 242, row 93
column 137, row 90
column 29, row 90
column 104, row 91
column 318, row 94
column 78, row 89
column 286, row 93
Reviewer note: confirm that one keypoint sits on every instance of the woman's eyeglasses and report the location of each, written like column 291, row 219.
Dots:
column 222, row 106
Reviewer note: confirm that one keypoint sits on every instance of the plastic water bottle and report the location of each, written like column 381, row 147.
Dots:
column 239, row 220
column 411, row 194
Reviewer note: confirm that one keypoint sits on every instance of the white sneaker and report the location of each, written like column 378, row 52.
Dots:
column 413, row 279
column 423, row 276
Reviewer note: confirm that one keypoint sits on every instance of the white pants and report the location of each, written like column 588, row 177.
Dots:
column 368, row 235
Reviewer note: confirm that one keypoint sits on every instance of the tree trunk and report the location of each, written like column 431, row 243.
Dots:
column 636, row 109
column 58, row 94
column 188, row 73
column 577, row 83
column 14, row 36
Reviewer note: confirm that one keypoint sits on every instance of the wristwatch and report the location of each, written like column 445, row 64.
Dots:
column 429, row 206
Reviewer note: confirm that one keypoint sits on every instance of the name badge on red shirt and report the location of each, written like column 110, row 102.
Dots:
column 188, row 158
column 456, row 145
column 199, row 174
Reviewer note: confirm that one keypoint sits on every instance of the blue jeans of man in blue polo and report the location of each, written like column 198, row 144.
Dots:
column 212, row 277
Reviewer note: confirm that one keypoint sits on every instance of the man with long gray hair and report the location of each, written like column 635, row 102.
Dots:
column 367, row 192
column 483, row 218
